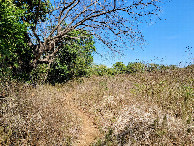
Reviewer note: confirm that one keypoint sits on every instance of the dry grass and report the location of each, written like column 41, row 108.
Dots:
column 136, row 109
column 37, row 117
column 172, row 90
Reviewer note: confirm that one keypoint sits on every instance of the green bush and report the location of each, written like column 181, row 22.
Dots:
column 119, row 67
column 99, row 70
column 73, row 60
column 133, row 67
column 152, row 67
column 111, row 71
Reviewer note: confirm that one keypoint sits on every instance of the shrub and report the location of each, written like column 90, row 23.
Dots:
column 152, row 67
column 119, row 67
column 135, row 67
column 99, row 70
column 73, row 60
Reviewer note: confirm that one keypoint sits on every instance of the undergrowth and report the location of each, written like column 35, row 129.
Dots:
column 147, row 108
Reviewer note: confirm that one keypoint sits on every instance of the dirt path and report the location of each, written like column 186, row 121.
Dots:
column 89, row 131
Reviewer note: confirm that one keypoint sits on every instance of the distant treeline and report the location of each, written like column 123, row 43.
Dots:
column 132, row 67
column 60, row 76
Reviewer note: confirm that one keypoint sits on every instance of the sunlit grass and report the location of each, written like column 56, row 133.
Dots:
column 150, row 108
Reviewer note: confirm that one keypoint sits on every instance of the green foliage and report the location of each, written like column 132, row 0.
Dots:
column 39, row 74
column 33, row 7
column 156, row 67
column 14, row 50
column 99, row 70
column 119, row 67
column 111, row 71
column 152, row 67
column 132, row 67
column 135, row 67
column 173, row 67
column 74, row 58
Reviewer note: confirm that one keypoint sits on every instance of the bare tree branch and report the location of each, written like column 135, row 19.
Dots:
column 107, row 20
column 59, row 18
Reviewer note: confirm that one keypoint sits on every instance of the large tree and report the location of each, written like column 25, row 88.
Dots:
column 14, row 51
column 47, row 27
column 113, row 22
column 18, row 48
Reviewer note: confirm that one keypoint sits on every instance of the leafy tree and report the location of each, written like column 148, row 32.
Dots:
column 119, row 67
column 133, row 67
column 50, row 38
column 36, row 10
column 73, row 59
column 14, row 51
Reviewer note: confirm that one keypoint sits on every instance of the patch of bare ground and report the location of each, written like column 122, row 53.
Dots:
column 88, row 132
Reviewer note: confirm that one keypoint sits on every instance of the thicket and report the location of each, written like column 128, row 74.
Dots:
column 17, row 52
column 73, row 57
column 14, row 51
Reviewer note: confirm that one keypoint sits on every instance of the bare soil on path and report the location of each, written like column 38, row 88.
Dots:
column 89, row 131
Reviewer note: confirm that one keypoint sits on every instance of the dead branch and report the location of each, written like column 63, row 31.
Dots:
column 101, row 18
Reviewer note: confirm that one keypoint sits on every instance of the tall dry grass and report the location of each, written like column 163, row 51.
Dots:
column 129, row 109
column 37, row 116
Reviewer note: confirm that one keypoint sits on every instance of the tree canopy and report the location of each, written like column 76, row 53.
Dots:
column 18, row 48
column 43, row 32
column 14, row 50
column 113, row 22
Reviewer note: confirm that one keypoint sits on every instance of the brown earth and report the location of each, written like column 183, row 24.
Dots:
column 89, row 131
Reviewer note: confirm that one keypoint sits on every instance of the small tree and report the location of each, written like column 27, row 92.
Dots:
column 119, row 67
column 133, row 67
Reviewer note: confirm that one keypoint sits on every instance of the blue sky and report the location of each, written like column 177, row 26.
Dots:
column 166, row 40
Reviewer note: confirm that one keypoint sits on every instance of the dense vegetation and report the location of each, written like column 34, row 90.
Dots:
column 72, row 59
column 41, row 99
column 38, row 45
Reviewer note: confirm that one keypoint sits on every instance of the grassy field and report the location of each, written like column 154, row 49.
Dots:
column 150, row 108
